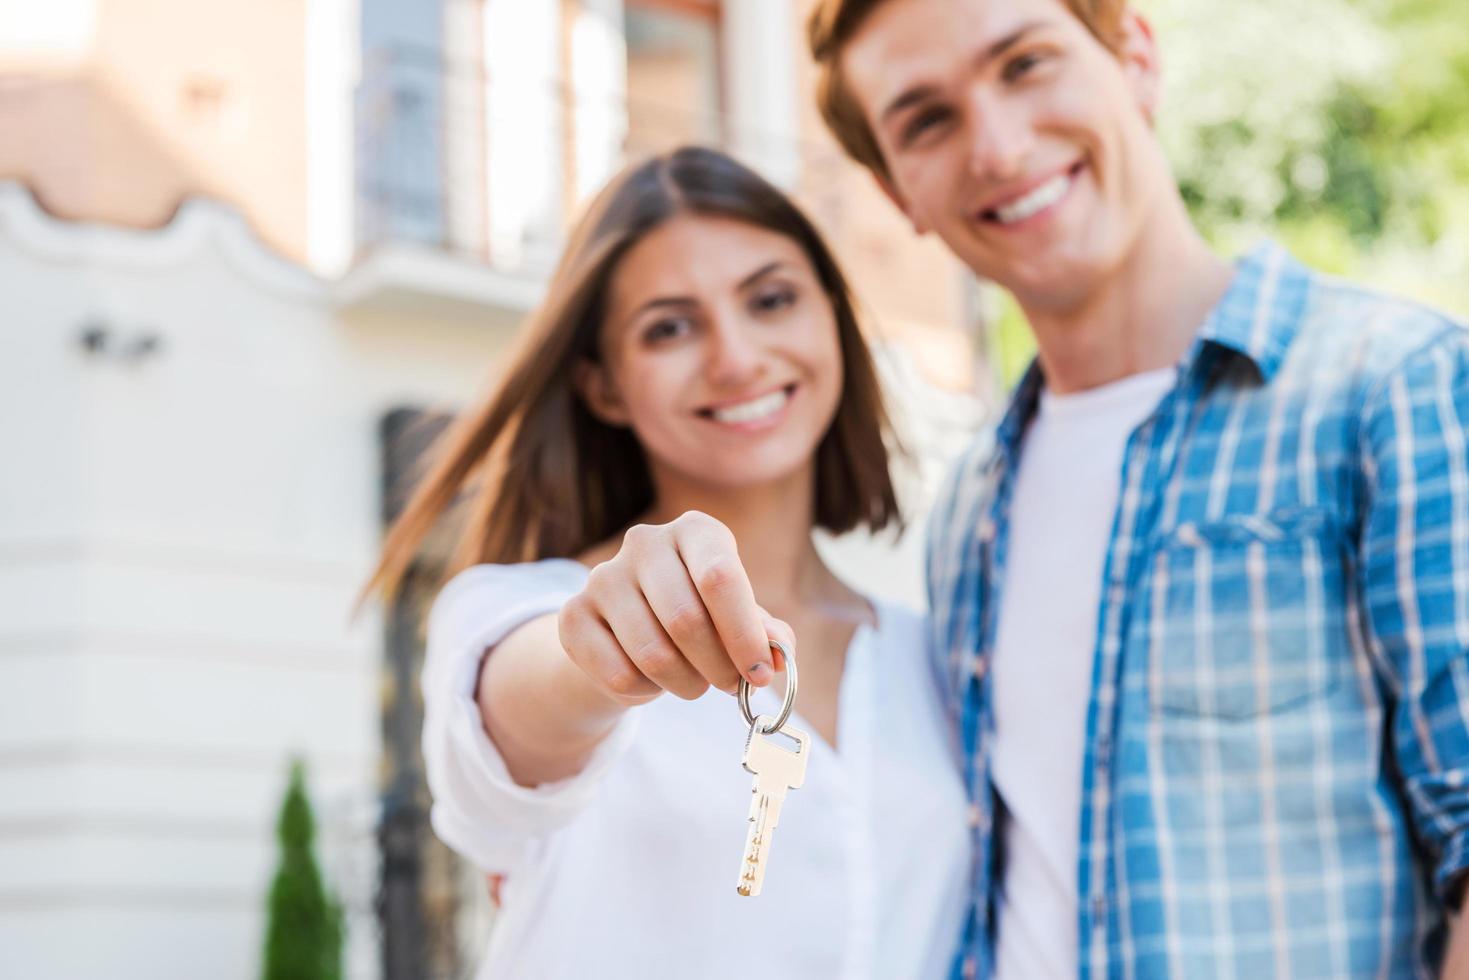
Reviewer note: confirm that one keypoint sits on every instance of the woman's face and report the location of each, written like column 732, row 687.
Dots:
column 720, row 351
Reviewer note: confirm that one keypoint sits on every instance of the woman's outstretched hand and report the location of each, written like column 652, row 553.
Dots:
column 673, row 610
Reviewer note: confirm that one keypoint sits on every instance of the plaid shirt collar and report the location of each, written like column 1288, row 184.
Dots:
column 1248, row 322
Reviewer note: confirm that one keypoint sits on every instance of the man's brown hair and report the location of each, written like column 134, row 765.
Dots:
column 833, row 23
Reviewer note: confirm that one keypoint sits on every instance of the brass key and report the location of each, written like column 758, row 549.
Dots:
column 777, row 769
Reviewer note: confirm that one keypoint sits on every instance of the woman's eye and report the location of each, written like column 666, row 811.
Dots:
column 667, row 329
column 926, row 120
column 774, row 299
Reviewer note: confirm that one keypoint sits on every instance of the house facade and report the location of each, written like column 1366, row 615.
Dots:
column 249, row 255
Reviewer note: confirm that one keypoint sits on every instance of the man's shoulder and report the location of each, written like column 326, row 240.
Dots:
column 1377, row 331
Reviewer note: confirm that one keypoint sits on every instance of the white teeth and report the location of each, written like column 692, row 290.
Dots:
column 1036, row 201
column 753, row 410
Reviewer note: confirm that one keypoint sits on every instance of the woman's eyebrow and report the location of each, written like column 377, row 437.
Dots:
column 658, row 301
column 764, row 270
column 687, row 301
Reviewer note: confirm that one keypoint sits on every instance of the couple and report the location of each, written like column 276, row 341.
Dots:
column 1193, row 699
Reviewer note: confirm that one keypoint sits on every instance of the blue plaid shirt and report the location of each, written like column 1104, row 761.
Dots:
column 1276, row 774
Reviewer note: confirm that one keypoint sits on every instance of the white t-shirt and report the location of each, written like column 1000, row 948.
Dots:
column 628, row 869
column 1064, row 503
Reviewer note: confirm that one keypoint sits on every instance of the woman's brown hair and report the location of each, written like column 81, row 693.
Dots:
column 546, row 478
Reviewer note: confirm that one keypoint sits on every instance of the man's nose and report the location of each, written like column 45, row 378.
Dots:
column 1000, row 139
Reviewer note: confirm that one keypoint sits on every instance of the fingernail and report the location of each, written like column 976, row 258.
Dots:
column 758, row 673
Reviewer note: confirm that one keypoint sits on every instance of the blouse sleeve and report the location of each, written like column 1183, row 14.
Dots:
column 478, row 809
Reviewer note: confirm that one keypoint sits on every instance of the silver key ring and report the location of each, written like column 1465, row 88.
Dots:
column 790, row 699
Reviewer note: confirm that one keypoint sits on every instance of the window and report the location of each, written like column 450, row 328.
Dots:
column 673, row 74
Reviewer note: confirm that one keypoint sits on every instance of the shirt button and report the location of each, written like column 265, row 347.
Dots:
column 1104, row 751
column 970, row 968
column 1099, row 911
column 986, row 530
column 1188, row 535
column 973, row 815
column 981, row 667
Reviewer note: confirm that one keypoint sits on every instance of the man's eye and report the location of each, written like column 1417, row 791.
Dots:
column 923, row 122
column 1021, row 65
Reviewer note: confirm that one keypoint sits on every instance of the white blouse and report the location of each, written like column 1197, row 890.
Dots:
column 628, row 869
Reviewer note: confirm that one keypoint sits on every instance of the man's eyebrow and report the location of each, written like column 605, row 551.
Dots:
column 918, row 93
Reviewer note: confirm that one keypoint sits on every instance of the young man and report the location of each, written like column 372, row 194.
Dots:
column 1204, row 603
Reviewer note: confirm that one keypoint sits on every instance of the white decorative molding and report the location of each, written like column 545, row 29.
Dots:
column 199, row 225
column 194, row 556
column 134, row 825
column 275, row 656
column 325, row 765
column 170, row 900
column 403, row 277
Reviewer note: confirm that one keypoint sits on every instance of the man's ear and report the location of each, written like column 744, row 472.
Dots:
column 892, row 193
column 599, row 393
column 1138, row 52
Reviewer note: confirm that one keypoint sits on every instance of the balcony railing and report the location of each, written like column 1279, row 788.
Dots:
column 449, row 159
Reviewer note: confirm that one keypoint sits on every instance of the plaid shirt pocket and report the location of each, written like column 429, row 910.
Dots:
column 1244, row 615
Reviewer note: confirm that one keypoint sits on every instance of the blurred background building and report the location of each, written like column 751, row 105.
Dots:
column 250, row 253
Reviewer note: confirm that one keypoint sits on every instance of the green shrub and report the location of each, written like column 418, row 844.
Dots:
column 303, row 938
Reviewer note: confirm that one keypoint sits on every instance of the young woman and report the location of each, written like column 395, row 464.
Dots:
column 691, row 400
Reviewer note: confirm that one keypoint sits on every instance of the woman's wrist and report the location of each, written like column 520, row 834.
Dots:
column 588, row 708
column 542, row 712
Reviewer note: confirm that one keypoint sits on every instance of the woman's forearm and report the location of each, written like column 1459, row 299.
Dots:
column 1456, row 959
column 543, row 713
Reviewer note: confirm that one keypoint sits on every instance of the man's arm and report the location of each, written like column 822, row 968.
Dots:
column 1414, row 579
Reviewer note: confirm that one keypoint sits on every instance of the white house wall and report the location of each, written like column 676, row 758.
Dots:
column 179, row 547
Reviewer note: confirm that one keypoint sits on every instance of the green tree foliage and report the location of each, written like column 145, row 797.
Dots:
column 1339, row 126
column 303, row 939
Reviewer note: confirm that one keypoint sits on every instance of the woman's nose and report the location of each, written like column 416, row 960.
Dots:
column 734, row 354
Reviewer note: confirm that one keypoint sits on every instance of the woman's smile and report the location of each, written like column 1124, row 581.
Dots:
column 758, row 413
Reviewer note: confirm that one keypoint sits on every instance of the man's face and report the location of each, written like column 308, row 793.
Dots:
column 1011, row 132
